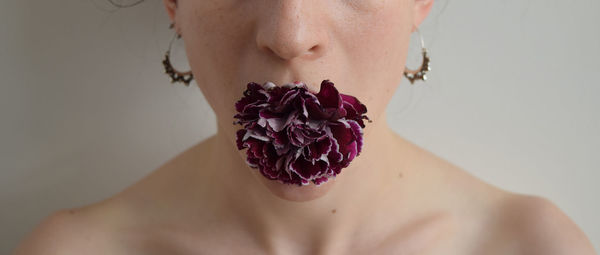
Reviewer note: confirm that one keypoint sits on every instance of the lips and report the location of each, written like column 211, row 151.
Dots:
column 297, row 136
column 269, row 85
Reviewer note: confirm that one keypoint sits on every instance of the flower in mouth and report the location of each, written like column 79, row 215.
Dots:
column 296, row 136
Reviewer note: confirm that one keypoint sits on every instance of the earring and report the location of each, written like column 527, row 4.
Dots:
column 419, row 74
column 175, row 75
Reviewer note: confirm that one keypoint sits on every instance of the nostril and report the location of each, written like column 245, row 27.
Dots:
column 270, row 51
column 273, row 52
column 288, row 55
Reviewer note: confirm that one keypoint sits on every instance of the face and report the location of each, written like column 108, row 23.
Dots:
column 359, row 45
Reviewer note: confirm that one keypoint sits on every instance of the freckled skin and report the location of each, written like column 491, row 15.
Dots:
column 395, row 198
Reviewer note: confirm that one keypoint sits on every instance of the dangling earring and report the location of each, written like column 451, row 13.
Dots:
column 175, row 75
column 419, row 74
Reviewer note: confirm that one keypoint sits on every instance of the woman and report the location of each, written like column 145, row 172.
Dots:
column 395, row 198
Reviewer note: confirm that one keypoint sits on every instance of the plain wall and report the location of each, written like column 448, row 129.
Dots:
column 86, row 109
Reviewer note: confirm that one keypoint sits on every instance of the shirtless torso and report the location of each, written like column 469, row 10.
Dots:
column 469, row 217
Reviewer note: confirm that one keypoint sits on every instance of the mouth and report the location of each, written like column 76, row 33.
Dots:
column 269, row 85
column 296, row 135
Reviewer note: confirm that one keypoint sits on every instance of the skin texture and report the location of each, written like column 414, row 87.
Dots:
column 394, row 198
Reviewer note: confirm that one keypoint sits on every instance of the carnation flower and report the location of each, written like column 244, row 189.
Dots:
column 295, row 136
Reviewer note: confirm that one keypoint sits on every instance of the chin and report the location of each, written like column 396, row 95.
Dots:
column 296, row 193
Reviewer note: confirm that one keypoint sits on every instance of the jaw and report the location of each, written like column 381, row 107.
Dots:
column 296, row 193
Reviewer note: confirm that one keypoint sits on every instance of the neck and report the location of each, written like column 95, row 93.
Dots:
column 358, row 192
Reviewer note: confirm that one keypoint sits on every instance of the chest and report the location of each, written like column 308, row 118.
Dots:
column 430, row 235
column 430, row 238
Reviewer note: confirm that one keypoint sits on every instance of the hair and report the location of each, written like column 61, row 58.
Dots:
column 136, row 2
column 120, row 5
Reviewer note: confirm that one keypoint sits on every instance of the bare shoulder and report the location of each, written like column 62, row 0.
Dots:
column 92, row 229
column 491, row 220
column 539, row 226
column 71, row 231
column 137, row 220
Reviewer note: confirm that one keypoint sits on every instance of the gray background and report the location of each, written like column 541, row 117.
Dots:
column 86, row 109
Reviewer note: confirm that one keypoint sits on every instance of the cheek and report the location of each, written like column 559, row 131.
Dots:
column 376, row 47
column 213, row 46
column 215, row 33
column 380, row 37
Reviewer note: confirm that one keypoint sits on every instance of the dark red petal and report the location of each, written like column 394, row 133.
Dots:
column 334, row 156
column 276, row 121
column 328, row 95
column 315, row 111
column 251, row 159
column 280, row 138
column 358, row 135
column 297, row 137
column 307, row 170
column 317, row 149
column 269, row 154
column 269, row 172
column 255, row 147
column 342, row 134
column 355, row 109
column 320, row 180
column 286, row 101
column 251, row 95
column 351, row 151
column 239, row 135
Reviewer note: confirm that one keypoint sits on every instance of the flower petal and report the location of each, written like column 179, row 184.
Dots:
column 297, row 137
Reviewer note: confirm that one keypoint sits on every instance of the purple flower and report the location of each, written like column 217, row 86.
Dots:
column 295, row 136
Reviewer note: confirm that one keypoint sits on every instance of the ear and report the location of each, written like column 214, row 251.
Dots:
column 171, row 6
column 422, row 8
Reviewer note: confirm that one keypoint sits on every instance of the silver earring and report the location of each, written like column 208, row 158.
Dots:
column 419, row 74
column 185, row 77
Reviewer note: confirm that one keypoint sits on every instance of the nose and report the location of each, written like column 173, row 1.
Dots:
column 292, row 29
